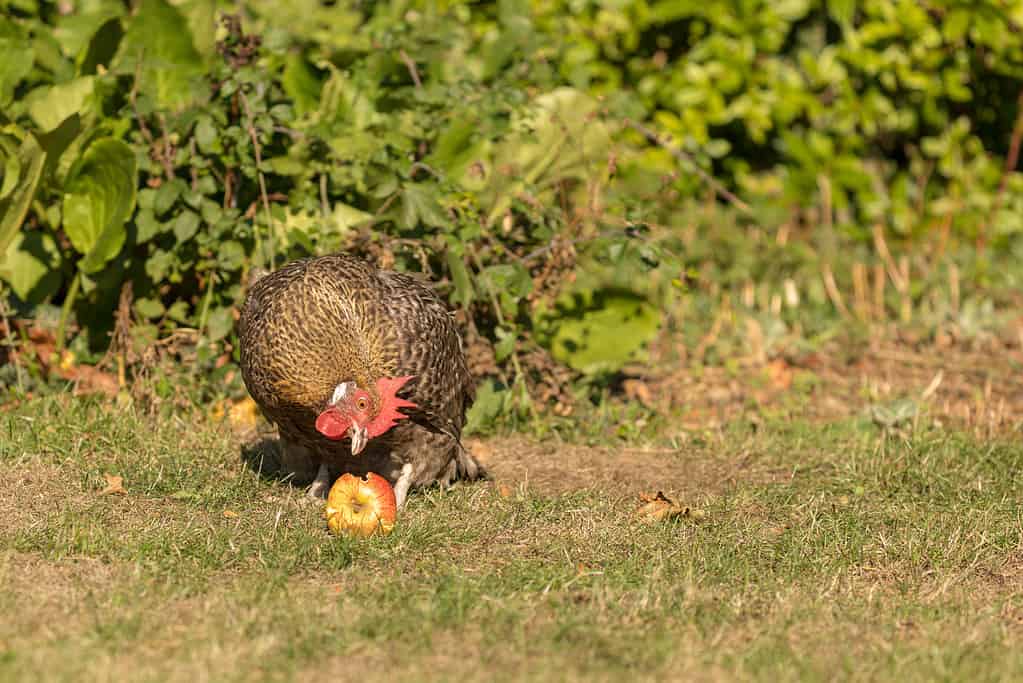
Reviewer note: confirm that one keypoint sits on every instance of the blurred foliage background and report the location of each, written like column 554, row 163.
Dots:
column 581, row 179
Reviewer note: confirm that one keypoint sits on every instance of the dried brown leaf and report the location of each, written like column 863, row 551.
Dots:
column 638, row 390
column 658, row 507
column 481, row 450
column 780, row 374
column 115, row 484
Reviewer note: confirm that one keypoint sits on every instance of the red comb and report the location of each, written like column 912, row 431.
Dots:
column 390, row 402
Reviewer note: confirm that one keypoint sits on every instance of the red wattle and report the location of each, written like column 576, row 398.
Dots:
column 332, row 424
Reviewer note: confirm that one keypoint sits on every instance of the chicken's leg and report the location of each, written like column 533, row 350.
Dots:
column 402, row 485
column 321, row 486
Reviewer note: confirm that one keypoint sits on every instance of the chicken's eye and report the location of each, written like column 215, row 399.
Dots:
column 361, row 403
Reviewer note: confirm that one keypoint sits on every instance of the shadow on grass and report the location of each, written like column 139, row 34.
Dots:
column 265, row 457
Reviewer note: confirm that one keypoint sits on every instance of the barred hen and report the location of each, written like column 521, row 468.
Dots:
column 362, row 370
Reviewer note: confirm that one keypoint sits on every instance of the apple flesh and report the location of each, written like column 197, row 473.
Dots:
column 361, row 506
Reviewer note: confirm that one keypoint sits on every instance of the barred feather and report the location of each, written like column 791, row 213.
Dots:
column 318, row 322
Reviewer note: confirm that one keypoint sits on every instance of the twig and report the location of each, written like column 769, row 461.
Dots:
column 120, row 339
column 860, row 300
column 879, row 284
column 195, row 171
column 412, row 70
column 133, row 98
column 832, row 289
column 65, row 310
column 251, row 127
column 681, row 156
column 540, row 251
column 166, row 155
column 953, row 286
column 886, row 256
column 933, row 386
column 420, row 165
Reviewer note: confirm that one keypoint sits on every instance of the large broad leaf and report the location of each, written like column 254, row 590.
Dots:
column 31, row 266
column 99, row 197
column 560, row 137
column 102, row 47
column 301, row 83
column 158, row 43
column 50, row 106
column 604, row 332
column 16, row 57
column 26, row 161
column 57, row 141
column 75, row 31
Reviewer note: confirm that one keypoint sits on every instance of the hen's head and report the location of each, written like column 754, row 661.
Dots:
column 356, row 413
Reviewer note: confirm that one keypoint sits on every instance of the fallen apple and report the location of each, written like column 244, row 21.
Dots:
column 361, row 507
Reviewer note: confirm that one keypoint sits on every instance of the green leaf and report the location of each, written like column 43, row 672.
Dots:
column 16, row 58
column 149, row 308
column 167, row 194
column 301, row 84
column 231, row 255
column 605, row 333
column 202, row 22
column 842, row 11
column 508, row 278
column 58, row 140
column 491, row 401
column 30, row 159
column 219, row 324
column 31, row 266
column 159, row 265
column 505, row 344
column 453, row 150
column 99, row 197
column 206, row 135
column 158, row 39
column 102, row 47
column 420, row 205
column 463, row 293
column 51, row 106
column 10, row 168
column 186, row 225
column 147, row 226
column 345, row 217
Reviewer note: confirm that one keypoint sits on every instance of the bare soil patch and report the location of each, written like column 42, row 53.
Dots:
column 979, row 388
column 553, row 468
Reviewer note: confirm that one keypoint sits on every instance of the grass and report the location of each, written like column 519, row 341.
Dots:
column 827, row 550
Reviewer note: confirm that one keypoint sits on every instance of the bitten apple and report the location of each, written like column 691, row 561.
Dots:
column 361, row 507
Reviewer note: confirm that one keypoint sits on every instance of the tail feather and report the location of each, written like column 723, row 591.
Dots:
column 467, row 466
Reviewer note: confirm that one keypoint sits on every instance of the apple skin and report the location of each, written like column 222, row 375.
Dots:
column 361, row 507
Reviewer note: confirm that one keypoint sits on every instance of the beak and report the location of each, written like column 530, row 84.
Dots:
column 359, row 438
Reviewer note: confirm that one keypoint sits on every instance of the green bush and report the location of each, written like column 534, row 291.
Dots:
column 171, row 148
column 904, row 109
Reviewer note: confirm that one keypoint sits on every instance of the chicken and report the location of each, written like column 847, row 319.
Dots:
column 362, row 370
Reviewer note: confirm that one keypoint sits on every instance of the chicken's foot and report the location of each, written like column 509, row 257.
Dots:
column 318, row 489
column 401, row 486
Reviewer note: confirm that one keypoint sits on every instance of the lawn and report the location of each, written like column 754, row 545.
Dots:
column 816, row 549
